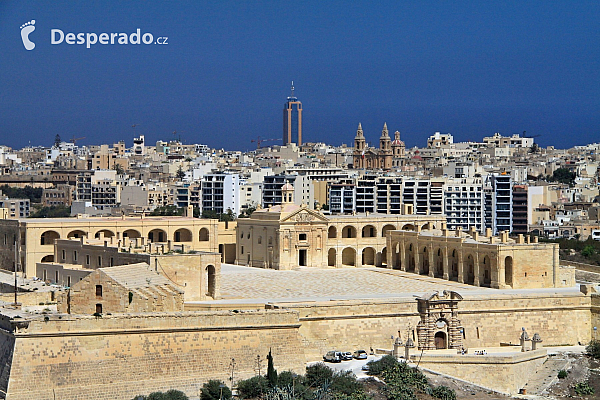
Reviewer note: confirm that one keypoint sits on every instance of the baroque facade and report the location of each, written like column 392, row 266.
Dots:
column 389, row 154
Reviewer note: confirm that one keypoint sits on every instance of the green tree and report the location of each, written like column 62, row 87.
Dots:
column 317, row 375
column 593, row 349
column 563, row 175
column 28, row 192
column 52, row 212
column 383, row 364
column 534, row 148
column 169, row 395
column 588, row 251
column 211, row 390
column 253, row 387
column 271, row 371
column 180, row 174
column 119, row 169
column 345, row 382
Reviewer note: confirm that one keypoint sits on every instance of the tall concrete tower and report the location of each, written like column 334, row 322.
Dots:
column 292, row 120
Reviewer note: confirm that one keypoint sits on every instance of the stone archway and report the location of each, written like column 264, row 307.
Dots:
column 48, row 237
column 203, row 235
column 438, row 262
column 210, row 281
column 368, row 256
column 469, row 270
column 424, row 270
column 331, row 254
column 508, row 271
column 486, row 278
column 349, row 257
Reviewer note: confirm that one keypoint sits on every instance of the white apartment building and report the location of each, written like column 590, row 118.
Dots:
column 464, row 203
column 221, row 192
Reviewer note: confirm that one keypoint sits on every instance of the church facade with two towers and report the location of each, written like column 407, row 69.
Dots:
column 389, row 154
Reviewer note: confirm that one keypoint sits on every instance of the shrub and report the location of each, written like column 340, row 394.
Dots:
column 211, row 390
column 562, row 374
column 286, row 378
column 317, row 374
column 384, row 363
column 583, row 388
column 587, row 251
column 593, row 349
column 253, row 387
column 443, row 393
column 169, row 395
column 345, row 382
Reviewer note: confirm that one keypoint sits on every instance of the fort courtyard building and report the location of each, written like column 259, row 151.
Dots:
column 287, row 235
column 198, row 273
column 37, row 235
column 496, row 262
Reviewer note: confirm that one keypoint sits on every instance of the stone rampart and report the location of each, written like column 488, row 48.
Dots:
column 120, row 356
column 505, row 372
column 488, row 320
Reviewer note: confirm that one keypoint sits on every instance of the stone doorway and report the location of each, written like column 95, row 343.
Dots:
column 440, row 341
column 302, row 258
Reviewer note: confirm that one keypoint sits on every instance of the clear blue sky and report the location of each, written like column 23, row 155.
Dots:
column 470, row 68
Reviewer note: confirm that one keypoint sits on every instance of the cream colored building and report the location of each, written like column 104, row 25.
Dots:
column 287, row 236
column 38, row 235
column 497, row 262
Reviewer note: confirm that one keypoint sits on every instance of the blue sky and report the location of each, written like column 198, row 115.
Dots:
column 470, row 68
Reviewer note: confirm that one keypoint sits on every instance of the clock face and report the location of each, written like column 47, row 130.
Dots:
column 440, row 324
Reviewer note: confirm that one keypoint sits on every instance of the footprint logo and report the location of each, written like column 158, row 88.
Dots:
column 26, row 29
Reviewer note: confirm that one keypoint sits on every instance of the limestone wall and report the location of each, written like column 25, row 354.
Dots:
column 120, row 356
column 506, row 373
column 487, row 321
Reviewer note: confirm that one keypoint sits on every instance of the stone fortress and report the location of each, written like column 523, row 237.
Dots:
column 146, row 304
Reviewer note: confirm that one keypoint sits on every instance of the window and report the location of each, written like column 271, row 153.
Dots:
column 302, row 236
column 112, row 262
column 242, row 249
column 99, row 261
column 55, row 276
column 45, row 275
column 87, row 259
column 98, row 308
column 69, row 281
column 75, row 256
column 64, row 255
column 98, row 290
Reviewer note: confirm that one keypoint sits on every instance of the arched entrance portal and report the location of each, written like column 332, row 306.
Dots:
column 440, row 341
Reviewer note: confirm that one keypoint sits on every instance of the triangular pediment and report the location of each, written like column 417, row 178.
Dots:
column 304, row 215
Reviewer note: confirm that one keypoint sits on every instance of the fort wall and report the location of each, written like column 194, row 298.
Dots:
column 560, row 319
column 120, row 356
column 506, row 373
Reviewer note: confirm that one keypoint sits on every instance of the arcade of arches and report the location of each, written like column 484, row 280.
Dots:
column 497, row 262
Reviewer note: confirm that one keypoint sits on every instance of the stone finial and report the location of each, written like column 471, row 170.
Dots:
column 535, row 340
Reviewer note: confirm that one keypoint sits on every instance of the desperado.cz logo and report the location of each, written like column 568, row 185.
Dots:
column 90, row 38
column 57, row 36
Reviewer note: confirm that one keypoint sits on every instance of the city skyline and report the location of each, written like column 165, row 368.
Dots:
column 469, row 69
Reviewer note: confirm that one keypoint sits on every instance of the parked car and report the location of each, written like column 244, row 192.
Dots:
column 346, row 355
column 360, row 355
column 333, row 356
